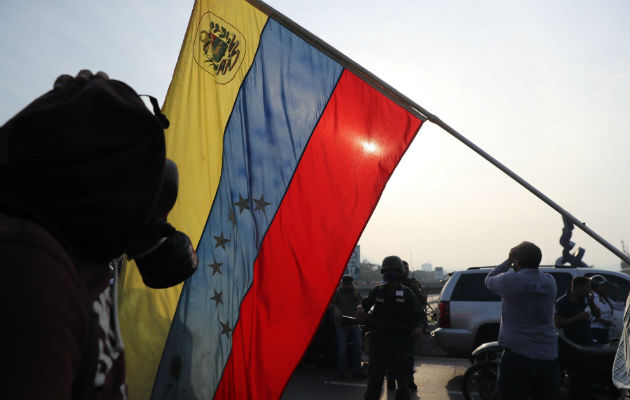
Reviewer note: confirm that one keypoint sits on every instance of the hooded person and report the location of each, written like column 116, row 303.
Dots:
column 84, row 179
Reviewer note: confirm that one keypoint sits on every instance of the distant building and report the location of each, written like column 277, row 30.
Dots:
column 424, row 276
column 439, row 273
column 427, row 267
column 354, row 264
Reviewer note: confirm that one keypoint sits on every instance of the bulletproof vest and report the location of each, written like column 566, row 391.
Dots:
column 392, row 309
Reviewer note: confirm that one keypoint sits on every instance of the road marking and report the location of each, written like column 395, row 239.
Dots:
column 363, row 385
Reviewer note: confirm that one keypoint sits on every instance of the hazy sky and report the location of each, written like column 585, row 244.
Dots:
column 543, row 86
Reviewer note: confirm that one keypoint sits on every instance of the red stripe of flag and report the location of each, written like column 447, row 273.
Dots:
column 358, row 141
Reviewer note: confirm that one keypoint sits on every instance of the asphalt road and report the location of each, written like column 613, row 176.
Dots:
column 437, row 378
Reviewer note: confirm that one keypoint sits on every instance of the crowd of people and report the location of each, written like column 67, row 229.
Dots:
column 533, row 315
column 393, row 315
column 50, row 186
column 532, row 318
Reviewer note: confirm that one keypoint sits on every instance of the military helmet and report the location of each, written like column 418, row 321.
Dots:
column 390, row 263
column 597, row 280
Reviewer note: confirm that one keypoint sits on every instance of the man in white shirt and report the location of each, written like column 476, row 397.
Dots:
column 529, row 365
column 606, row 305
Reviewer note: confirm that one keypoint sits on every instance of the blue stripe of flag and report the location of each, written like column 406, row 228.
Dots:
column 276, row 110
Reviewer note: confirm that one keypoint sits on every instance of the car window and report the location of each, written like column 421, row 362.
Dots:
column 563, row 282
column 624, row 286
column 471, row 287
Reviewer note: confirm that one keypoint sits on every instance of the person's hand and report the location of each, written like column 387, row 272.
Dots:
column 590, row 298
column 336, row 312
column 513, row 256
column 605, row 322
column 583, row 315
column 83, row 76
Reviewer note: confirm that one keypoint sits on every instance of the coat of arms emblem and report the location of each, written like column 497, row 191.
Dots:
column 219, row 48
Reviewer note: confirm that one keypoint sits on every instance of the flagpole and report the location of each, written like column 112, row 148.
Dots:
column 342, row 59
column 423, row 114
column 526, row 185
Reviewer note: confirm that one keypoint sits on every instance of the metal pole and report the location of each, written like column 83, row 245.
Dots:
column 342, row 59
column 423, row 114
column 526, row 185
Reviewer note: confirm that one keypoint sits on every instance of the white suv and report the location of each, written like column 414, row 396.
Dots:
column 469, row 314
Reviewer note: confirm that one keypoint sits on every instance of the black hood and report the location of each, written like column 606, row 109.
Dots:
column 87, row 162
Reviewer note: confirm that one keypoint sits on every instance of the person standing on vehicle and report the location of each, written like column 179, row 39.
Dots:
column 344, row 303
column 529, row 365
column 571, row 313
column 396, row 319
column 600, row 325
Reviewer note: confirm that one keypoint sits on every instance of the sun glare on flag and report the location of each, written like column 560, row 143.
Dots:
column 342, row 137
column 369, row 147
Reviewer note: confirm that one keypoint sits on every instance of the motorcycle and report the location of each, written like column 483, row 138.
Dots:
column 585, row 372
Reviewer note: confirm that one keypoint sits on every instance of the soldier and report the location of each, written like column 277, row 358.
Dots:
column 396, row 320
column 413, row 284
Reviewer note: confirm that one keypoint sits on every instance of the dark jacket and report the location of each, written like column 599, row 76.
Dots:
column 579, row 332
column 396, row 311
column 347, row 302
column 59, row 338
column 80, row 171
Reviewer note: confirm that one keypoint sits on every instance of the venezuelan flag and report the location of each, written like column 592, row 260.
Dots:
column 283, row 152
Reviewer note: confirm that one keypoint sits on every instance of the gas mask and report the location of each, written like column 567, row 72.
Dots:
column 165, row 256
column 391, row 277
